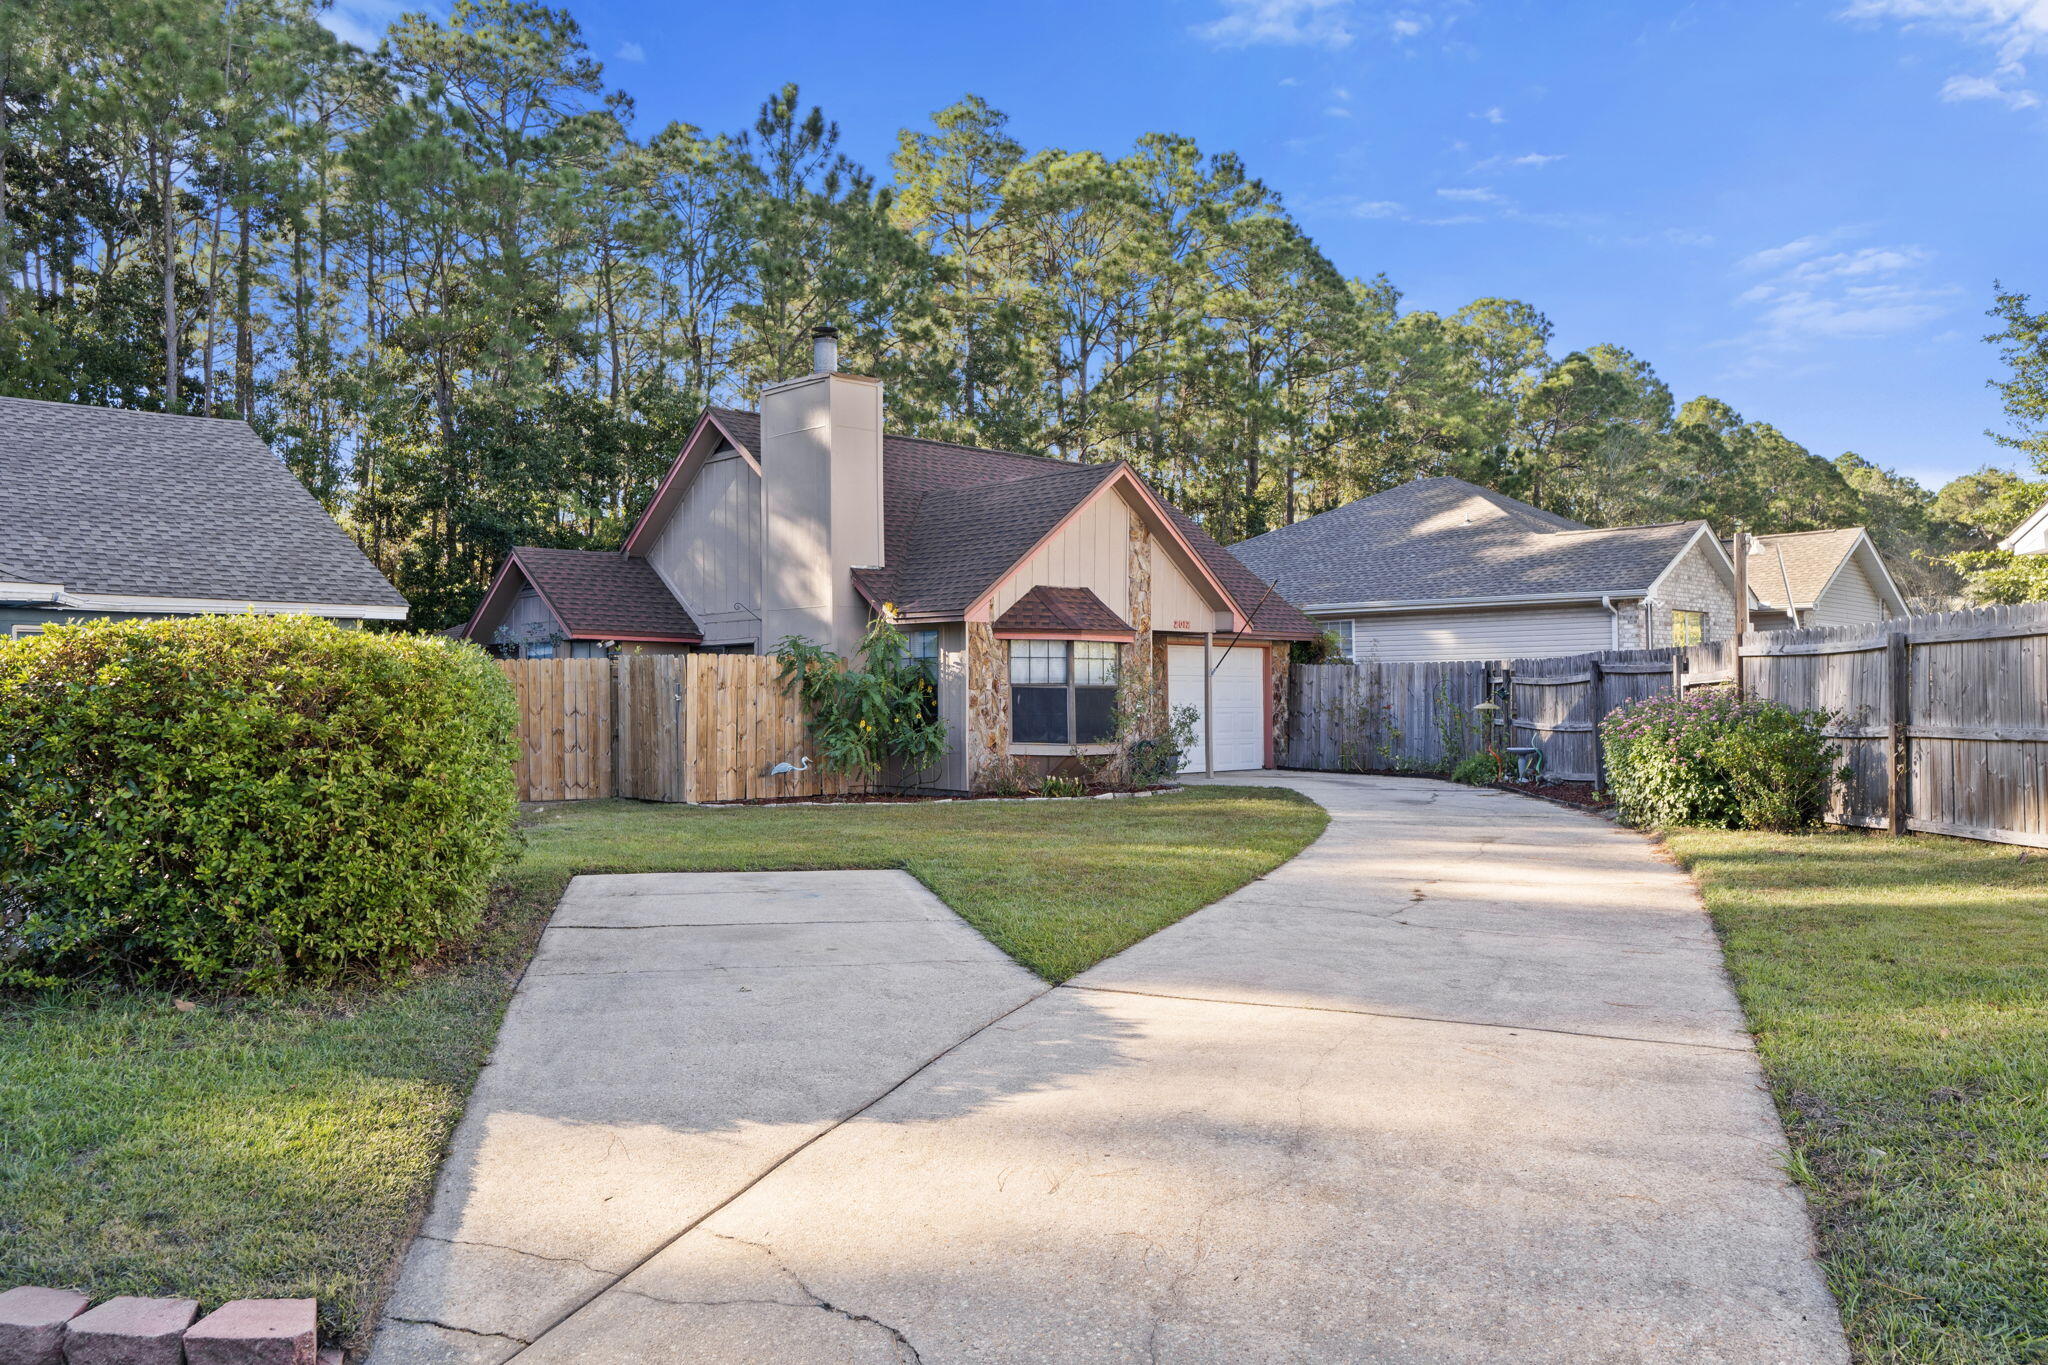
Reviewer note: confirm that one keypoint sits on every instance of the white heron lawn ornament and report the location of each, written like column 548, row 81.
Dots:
column 781, row 768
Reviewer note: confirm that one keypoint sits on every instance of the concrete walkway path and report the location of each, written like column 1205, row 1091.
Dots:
column 1462, row 1082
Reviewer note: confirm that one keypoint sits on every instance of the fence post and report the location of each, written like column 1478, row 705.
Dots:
column 1899, row 659
column 1678, row 674
column 1596, row 692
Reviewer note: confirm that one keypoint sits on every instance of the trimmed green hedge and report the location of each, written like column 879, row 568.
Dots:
column 245, row 801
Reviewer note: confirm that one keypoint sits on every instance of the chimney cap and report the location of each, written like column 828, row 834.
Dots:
column 824, row 329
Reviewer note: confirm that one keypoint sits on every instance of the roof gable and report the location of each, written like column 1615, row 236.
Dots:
column 1794, row 569
column 1063, row 612
column 114, row 502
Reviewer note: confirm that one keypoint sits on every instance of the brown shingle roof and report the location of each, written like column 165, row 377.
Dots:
column 956, row 518
column 1061, row 611
column 601, row 594
column 957, row 542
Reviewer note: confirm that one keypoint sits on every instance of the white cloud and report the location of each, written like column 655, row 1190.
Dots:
column 1526, row 161
column 1959, row 88
column 1494, row 114
column 1469, row 196
column 1405, row 26
column 2014, row 30
column 630, row 52
column 362, row 22
column 1379, row 208
column 1337, row 111
column 1812, row 293
column 1313, row 23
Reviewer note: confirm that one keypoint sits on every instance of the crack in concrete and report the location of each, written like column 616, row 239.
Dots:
column 819, row 1301
column 1410, row 1018
column 784, row 1160
column 466, row 1331
column 515, row 1251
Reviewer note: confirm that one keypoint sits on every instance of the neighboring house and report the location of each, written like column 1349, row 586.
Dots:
column 2031, row 536
column 107, row 512
column 1030, row 584
column 1444, row 569
column 1819, row 578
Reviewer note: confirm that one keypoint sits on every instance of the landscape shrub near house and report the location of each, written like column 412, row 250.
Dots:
column 1710, row 758
column 864, row 717
column 245, row 801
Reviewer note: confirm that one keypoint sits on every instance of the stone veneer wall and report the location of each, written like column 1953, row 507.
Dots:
column 1282, row 656
column 988, row 704
column 988, row 672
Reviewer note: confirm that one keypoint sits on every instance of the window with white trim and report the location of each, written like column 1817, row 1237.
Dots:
column 1344, row 631
column 22, row 632
column 1062, row 691
column 1688, row 627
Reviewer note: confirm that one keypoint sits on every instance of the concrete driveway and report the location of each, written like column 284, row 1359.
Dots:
column 1462, row 1082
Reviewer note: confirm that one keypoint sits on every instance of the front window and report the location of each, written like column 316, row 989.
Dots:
column 1688, row 627
column 1062, row 691
column 545, row 649
column 923, row 646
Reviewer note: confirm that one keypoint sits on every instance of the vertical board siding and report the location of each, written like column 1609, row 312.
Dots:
column 1973, row 736
column 660, row 727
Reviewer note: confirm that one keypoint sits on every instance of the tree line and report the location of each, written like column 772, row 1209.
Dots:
column 472, row 305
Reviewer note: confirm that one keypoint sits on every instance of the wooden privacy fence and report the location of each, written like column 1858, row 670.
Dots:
column 1401, row 717
column 1942, row 719
column 660, row 727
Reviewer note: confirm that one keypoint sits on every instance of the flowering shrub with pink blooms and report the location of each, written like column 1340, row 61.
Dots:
column 1710, row 759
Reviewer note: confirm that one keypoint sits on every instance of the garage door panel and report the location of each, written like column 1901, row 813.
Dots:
column 1238, row 688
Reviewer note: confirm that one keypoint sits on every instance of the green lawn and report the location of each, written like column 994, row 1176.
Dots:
column 1899, row 993
column 287, row 1147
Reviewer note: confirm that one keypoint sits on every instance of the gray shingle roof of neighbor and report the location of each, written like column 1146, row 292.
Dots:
column 146, row 504
column 1443, row 539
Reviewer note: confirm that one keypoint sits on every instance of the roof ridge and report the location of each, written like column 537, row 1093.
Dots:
column 1820, row 531
column 136, row 412
column 1639, row 526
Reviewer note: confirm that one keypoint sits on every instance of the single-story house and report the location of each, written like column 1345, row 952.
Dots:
column 1819, row 578
column 115, row 513
column 1443, row 569
column 1030, row 583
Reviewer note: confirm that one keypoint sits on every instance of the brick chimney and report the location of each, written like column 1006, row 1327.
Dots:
column 821, row 499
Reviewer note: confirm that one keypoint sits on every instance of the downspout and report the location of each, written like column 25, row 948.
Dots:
column 1613, row 621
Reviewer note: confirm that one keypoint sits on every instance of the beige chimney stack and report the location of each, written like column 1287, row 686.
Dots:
column 821, row 499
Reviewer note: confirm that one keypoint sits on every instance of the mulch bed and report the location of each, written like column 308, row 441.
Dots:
column 1576, row 794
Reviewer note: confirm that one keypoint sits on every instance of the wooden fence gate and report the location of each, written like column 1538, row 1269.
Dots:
column 660, row 727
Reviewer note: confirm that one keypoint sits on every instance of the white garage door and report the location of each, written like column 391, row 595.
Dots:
column 1240, row 704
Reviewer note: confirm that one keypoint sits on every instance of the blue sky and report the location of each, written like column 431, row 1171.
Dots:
column 1797, row 207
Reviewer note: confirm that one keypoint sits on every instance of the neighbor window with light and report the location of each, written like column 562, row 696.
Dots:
column 1062, row 691
column 1688, row 627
